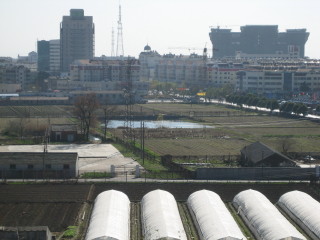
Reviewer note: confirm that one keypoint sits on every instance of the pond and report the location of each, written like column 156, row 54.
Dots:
column 157, row 124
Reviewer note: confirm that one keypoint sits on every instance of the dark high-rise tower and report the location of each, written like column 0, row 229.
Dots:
column 43, row 56
column 76, row 38
column 259, row 40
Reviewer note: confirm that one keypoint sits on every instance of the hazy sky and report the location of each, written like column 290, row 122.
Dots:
column 163, row 24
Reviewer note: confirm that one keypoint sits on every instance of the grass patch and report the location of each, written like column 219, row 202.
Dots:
column 154, row 168
column 96, row 175
column 70, row 232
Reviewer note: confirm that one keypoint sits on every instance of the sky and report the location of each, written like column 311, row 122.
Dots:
column 166, row 25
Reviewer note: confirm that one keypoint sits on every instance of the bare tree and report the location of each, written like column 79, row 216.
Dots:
column 85, row 108
column 286, row 144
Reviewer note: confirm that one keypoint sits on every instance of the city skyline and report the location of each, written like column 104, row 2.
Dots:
column 164, row 25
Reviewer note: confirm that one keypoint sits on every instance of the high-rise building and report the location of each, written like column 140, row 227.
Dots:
column 54, row 55
column 76, row 38
column 259, row 41
column 43, row 56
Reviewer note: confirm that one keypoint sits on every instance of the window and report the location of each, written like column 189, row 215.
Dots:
column 30, row 166
column 48, row 166
column 66, row 166
column 12, row 166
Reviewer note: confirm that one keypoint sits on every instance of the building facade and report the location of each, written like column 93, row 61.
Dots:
column 43, row 55
column 258, row 40
column 76, row 38
column 54, row 56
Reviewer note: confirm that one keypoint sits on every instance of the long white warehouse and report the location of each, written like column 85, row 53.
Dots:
column 160, row 217
column 212, row 218
column 263, row 218
column 110, row 217
column 304, row 210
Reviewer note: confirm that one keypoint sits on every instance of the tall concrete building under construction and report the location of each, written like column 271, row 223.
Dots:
column 259, row 40
column 76, row 38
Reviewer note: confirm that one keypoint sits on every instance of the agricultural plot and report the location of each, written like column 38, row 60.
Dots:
column 237, row 125
column 35, row 111
column 61, row 205
column 33, row 122
column 186, row 108
column 198, row 147
column 55, row 206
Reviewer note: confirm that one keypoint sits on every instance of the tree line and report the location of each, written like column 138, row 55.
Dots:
column 262, row 102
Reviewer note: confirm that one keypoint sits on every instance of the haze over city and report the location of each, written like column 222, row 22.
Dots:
column 164, row 25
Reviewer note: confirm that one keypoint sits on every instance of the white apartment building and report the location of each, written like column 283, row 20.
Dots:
column 277, row 81
column 54, row 55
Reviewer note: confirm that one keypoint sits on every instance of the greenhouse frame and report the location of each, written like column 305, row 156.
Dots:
column 160, row 217
column 110, row 218
column 263, row 218
column 212, row 218
column 304, row 210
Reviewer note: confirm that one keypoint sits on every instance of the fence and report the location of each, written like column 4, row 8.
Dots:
column 255, row 173
column 36, row 174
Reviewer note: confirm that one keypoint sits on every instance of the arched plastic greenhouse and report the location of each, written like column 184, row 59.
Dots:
column 263, row 218
column 110, row 217
column 304, row 210
column 160, row 217
column 212, row 218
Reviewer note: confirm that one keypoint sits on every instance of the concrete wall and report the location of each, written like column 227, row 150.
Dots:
column 254, row 173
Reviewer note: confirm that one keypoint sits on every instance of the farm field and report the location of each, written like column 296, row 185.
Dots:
column 196, row 147
column 55, row 206
column 233, row 131
column 61, row 205
column 233, row 128
column 45, row 111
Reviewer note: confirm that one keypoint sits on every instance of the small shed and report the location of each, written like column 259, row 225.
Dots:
column 32, row 233
column 63, row 132
column 260, row 155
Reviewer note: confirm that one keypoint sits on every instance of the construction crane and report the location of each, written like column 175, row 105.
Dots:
column 187, row 48
column 204, row 50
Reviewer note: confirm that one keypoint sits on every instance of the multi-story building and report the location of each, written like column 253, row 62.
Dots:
column 184, row 71
column 279, row 81
column 114, row 74
column 43, row 47
column 15, row 74
column 148, row 60
column 49, row 56
column 76, row 38
column 258, row 40
column 54, row 56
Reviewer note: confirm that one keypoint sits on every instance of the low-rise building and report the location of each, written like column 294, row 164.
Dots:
column 35, row 165
column 260, row 155
column 63, row 133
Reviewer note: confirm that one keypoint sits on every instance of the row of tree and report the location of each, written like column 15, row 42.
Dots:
column 272, row 104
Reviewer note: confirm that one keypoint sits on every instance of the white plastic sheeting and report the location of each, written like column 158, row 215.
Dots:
column 305, row 208
column 212, row 217
column 263, row 218
column 160, row 217
column 110, row 217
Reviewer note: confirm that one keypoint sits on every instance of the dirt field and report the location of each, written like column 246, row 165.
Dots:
column 55, row 206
